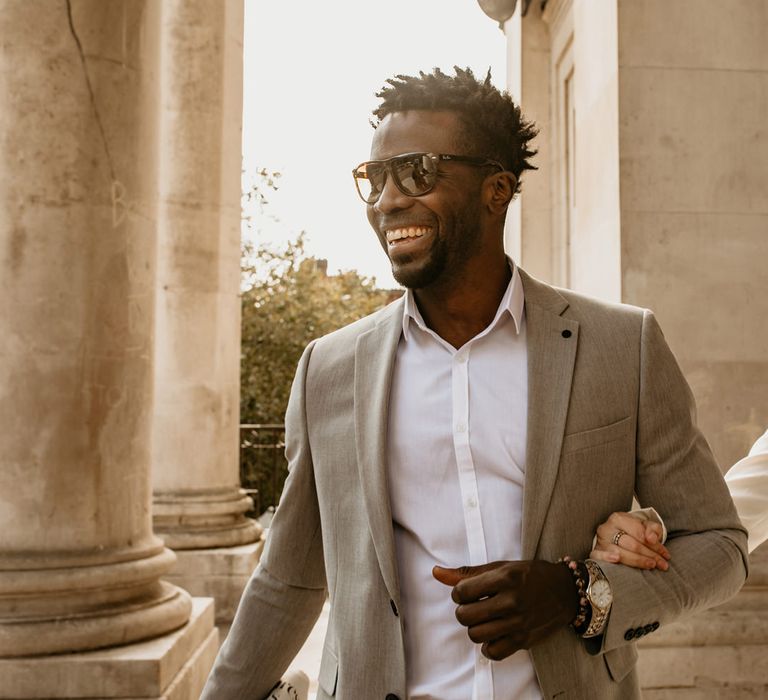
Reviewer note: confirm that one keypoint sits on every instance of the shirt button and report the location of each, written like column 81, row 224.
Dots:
column 472, row 503
column 461, row 428
column 463, row 359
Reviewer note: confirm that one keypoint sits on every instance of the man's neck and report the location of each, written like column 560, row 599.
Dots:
column 457, row 310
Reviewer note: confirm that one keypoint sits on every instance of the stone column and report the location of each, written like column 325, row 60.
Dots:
column 694, row 199
column 198, row 504
column 668, row 185
column 79, row 565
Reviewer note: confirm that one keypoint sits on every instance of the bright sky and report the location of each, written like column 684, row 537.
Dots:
column 311, row 73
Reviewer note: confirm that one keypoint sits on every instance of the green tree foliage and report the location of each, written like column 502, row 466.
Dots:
column 288, row 300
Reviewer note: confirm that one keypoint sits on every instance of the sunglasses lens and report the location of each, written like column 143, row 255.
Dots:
column 413, row 174
column 370, row 178
column 416, row 174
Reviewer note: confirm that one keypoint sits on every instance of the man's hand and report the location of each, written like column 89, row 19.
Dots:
column 640, row 546
column 511, row 605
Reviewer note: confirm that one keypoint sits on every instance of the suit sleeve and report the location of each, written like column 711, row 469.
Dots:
column 286, row 592
column 678, row 475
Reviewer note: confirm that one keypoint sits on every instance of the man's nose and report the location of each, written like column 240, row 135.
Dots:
column 391, row 199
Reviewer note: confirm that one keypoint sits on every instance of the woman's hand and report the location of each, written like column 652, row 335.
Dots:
column 625, row 539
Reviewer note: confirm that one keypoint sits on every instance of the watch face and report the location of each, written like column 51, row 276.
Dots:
column 600, row 593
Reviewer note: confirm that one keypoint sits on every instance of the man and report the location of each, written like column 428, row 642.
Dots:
column 446, row 451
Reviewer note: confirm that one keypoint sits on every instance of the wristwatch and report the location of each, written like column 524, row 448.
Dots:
column 600, row 598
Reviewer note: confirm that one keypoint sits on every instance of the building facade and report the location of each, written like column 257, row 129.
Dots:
column 652, row 190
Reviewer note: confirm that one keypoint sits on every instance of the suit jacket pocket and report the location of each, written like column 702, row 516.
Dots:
column 329, row 671
column 575, row 442
column 620, row 661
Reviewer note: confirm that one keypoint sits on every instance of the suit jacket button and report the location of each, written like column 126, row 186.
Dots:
column 648, row 629
column 655, row 626
column 629, row 635
column 639, row 633
column 391, row 696
column 394, row 608
column 566, row 333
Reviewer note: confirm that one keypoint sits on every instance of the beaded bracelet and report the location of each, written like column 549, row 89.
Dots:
column 578, row 570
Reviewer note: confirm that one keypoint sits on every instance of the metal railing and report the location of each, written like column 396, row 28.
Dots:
column 263, row 468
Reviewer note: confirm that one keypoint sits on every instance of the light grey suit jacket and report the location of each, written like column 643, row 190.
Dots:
column 609, row 416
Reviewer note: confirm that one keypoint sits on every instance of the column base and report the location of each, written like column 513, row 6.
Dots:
column 87, row 601
column 204, row 519
column 220, row 573
column 172, row 667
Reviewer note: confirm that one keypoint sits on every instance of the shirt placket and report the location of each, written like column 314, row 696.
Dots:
column 470, row 499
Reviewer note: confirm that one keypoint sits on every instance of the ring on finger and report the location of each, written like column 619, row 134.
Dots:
column 619, row 534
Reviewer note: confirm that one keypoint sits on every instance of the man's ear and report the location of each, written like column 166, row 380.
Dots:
column 501, row 189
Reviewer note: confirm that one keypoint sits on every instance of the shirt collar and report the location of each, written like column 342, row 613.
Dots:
column 512, row 303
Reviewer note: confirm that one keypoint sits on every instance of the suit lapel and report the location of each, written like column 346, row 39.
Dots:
column 375, row 353
column 551, row 358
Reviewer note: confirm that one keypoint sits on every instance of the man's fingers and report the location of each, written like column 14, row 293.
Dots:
column 450, row 577
column 471, row 583
column 497, row 606
column 489, row 631
column 500, row 648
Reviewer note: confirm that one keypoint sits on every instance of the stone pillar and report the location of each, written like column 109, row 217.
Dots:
column 694, row 199
column 656, row 190
column 79, row 565
column 198, row 504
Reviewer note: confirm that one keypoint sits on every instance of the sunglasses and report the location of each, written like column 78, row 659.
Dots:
column 414, row 174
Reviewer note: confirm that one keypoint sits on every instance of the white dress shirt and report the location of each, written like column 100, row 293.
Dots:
column 748, row 483
column 456, row 452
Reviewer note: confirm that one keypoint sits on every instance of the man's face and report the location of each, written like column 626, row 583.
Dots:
column 429, row 238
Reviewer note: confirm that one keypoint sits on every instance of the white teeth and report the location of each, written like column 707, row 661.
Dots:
column 396, row 234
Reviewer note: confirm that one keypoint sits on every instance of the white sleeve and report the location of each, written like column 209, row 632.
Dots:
column 748, row 483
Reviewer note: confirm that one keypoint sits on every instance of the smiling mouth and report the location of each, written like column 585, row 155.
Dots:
column 398, row 236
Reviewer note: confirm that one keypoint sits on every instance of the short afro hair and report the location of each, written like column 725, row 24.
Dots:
column 494, row 126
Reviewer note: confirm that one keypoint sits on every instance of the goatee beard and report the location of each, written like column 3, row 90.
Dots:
column 425, row 275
